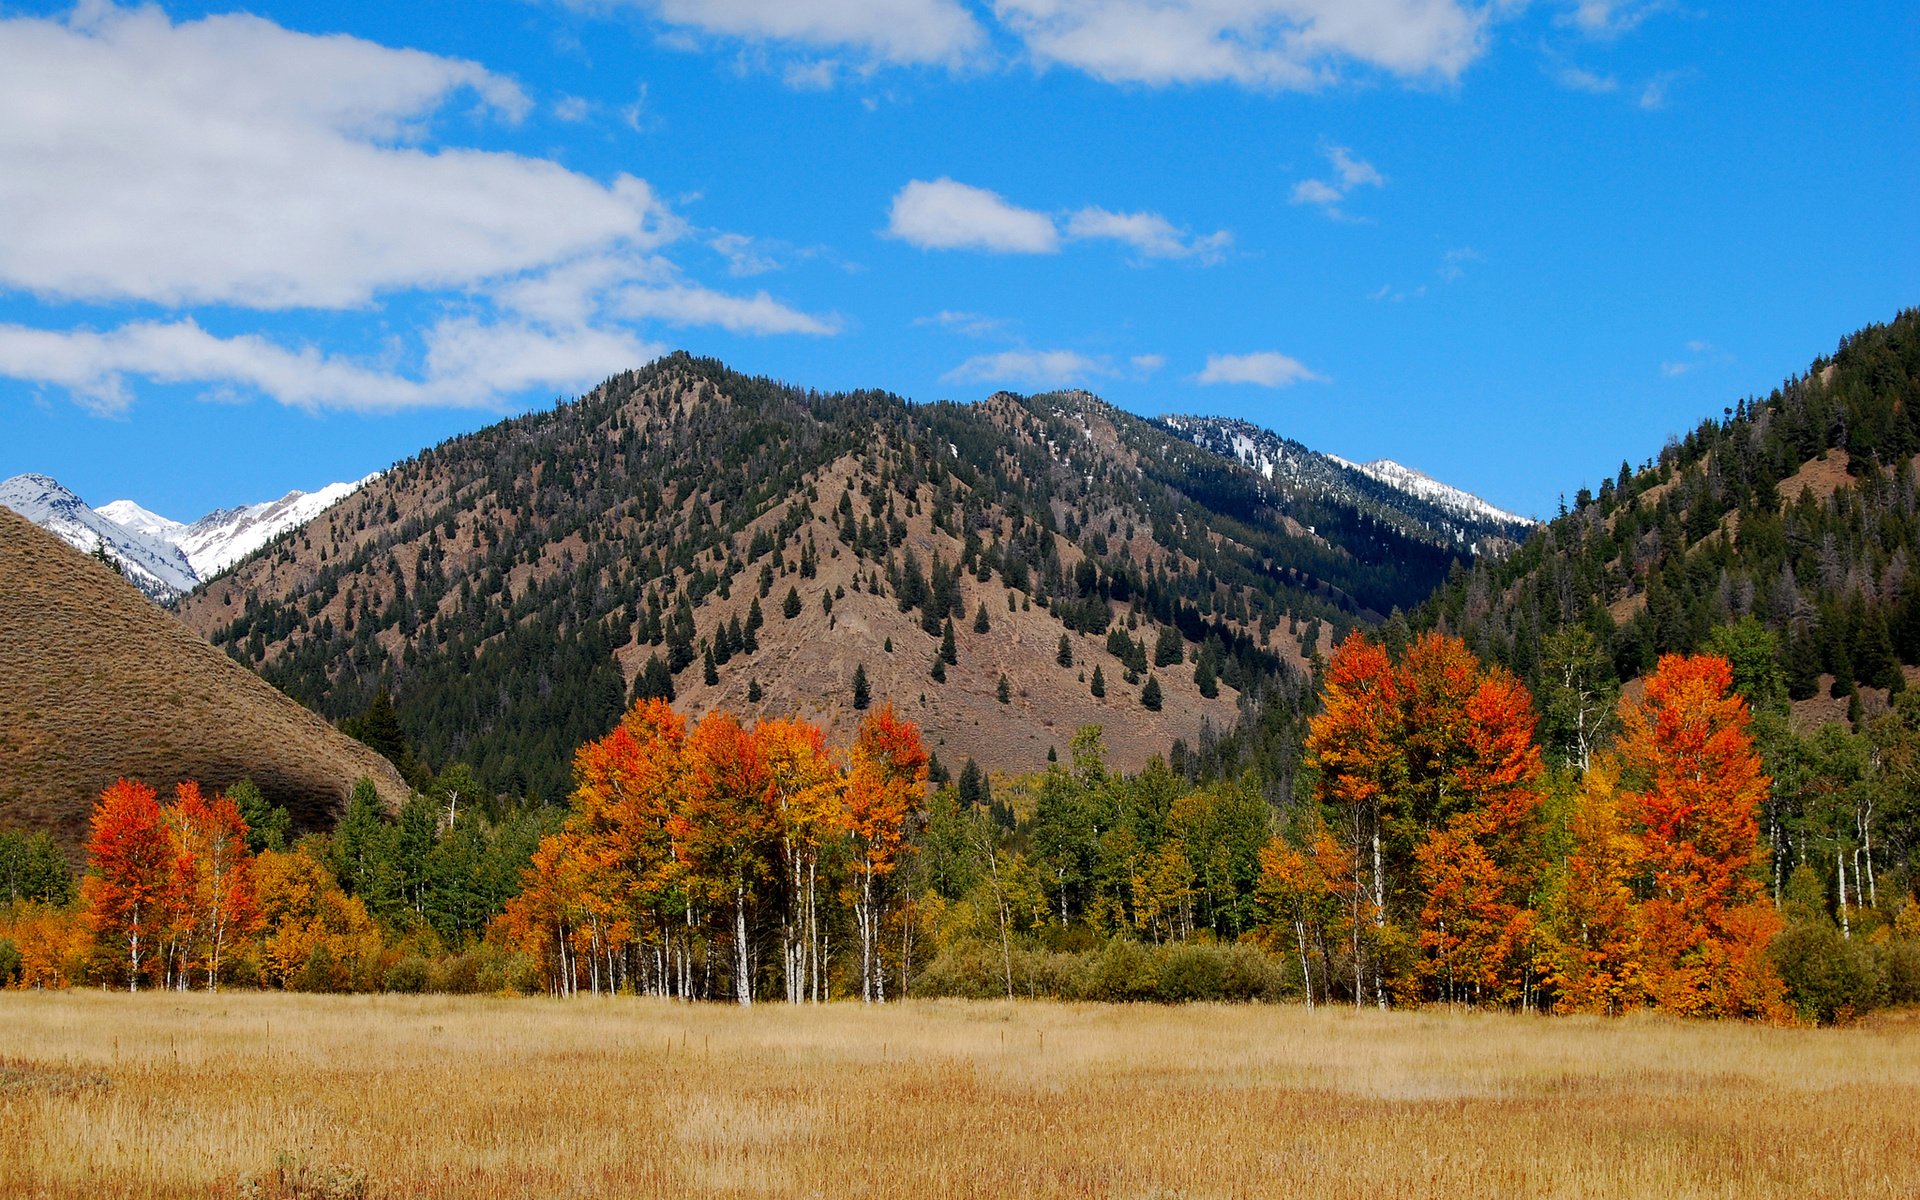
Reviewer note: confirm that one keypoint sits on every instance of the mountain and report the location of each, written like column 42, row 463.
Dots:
column 101, row 684
column 165, row 558
column 512, row 587
column 1800, row 510
column 1416, row 504
column 155, row 565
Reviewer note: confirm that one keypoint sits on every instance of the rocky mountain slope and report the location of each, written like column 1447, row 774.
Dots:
column 102, row 684
column 512, row 587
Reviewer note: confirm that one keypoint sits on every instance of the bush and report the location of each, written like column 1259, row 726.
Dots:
column 1900, row 965
column 1120, row 971
column 9, row 963
column 408, row 974
column 1829, row 978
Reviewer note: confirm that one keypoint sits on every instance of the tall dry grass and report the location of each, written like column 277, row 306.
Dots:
column 280, row 1095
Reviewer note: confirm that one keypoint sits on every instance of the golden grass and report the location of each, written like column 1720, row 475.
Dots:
column 190, row 1095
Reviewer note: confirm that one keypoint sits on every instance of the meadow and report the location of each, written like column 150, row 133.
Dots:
column 279, row 1095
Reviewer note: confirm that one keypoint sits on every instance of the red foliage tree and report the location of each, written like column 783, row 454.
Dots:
column 131, row 877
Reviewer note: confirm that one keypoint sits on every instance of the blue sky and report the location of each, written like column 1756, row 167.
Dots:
column 1509, row 244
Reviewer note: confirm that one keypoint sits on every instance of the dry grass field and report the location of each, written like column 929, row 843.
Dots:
column 323, row 1096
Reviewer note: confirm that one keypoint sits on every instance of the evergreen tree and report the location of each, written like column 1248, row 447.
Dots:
column 939, row 669
column 754, row 694
column 1168, row 648
column 1064, row 656
column 1203, row 674
column 790, row 607
column 267, row 824
column 975, row 791
column 1150, row 694
column 1099, row 684
column 708, row 671
column 949, row 653
column 654, row 682
column 980, row 622
column 862, row 695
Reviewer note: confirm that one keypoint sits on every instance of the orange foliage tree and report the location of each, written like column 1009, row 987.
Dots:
column 1692, row 787
column 131, row 879
column 683, row 851
column 886, row 785
column 1430, row 769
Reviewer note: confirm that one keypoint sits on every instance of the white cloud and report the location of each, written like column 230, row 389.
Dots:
column 1610, row 18
column 231, row 161
column 1453, row 263
column 1654, row 94
column 1147, row 364
column 945, row 215
column 1149, row 233
column 1704, row 354
column 688, row 304
column 1348, row 173
column 899, row 31
column 1295, row 44
column 1578, row 79
column 1315, row 191
column 967, row 324
column 1039, row 368
column 1264, row 368
column 467, row 364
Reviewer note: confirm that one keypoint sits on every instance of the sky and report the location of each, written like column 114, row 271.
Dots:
column 1510, row 244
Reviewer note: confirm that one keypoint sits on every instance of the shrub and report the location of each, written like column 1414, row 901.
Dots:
column 9, row 963
column 1828, row 977
column 408, row 974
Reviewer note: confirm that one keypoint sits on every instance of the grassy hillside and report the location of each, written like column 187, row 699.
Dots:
column 101, row 684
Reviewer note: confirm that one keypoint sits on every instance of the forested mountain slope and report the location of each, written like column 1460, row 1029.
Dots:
column 1800, row 510
column 1005, row 571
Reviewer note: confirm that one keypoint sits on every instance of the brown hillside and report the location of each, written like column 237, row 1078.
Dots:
column 100, row 684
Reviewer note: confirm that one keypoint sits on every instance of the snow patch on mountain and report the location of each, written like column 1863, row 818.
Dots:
column 1426, row 487
column 163, row 557
column 157, row 567
column 225, row 536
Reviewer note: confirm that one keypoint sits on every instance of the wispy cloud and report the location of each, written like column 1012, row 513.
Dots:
column 1348, row 174
column 1264, row 368
column 1699, row 354
column 967, row 324
column 1033, row 368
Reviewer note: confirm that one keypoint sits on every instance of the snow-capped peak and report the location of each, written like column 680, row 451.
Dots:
column 1426, row 487
column 163, row 557
column 131, row 516
column 154, row 565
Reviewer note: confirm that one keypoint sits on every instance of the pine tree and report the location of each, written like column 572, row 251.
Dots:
column 708, row 671
column 1099, row 684
column 980, row 622
column 1150, row 694
column 1204, row 677
column 790, row 607
column 754, row 694
column 1168, row 649
column 939, row 670
column 949, row 653
column 1065, row 654
column 862, row 696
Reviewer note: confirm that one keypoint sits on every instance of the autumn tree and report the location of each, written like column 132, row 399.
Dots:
column 886, row 784
column 1691, row 791
column 216, row 884
column 131, row 878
